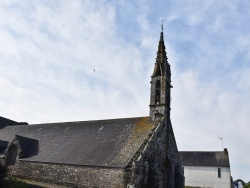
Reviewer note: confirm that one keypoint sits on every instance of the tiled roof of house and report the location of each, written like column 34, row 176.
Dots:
column 205, row 158
column 110, row 143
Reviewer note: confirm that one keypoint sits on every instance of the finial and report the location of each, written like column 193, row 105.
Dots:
column 161, row 25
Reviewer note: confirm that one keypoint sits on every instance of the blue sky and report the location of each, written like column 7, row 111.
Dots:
column 48, row 50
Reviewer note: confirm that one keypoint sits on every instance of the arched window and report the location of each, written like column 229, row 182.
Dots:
column 166, row 172
column 158, row 92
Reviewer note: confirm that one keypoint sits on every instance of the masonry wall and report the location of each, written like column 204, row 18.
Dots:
column 1, row 161
column 159, row 152
column 207, row 177
column 153, row 106
column 69, row 175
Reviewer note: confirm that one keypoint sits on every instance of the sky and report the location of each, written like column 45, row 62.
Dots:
column 86, row 60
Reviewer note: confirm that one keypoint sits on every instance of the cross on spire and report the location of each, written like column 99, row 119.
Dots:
column 162, row 25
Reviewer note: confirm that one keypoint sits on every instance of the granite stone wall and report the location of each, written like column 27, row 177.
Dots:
column 158, row 164
column 161, row 107
column 1, row 161
column 70, row 175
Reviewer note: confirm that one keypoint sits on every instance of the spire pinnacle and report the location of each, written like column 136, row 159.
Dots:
column 161, row 58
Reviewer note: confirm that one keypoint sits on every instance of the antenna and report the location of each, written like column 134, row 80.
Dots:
column 221, row 141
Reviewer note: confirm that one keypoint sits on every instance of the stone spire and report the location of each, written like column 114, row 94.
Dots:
column 161, row 59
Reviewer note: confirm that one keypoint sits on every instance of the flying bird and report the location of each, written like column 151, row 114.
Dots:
column 94, row 70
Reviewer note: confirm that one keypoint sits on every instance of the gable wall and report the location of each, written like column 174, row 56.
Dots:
column 201, row 176
column 159, row 150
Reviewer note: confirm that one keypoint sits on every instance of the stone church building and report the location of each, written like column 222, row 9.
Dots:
column 136, row 152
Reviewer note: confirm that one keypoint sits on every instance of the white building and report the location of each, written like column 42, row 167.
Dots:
column 206, row 169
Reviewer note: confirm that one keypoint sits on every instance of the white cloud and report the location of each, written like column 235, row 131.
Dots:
column 55, row 57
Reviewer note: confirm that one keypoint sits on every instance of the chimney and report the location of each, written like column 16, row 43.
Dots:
column 225, row 151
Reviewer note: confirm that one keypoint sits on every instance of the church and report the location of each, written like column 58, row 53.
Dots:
column 137, row 152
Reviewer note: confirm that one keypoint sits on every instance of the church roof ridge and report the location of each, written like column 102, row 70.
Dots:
column 98, row 120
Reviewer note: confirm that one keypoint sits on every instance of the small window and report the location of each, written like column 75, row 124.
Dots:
column 158, row 92
column 219, row 172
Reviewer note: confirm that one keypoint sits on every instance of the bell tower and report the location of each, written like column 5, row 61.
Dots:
column 160, row 84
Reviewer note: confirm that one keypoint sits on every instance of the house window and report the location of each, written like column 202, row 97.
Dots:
column 219, row 172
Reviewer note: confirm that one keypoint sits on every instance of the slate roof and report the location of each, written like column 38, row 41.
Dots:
column 110, row 143
column 29, row 146
column 205, row 158
column 5, row 121
column 3, row 146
